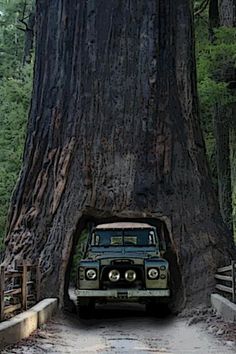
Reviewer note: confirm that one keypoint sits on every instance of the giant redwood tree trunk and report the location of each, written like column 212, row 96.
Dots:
column 114, row 133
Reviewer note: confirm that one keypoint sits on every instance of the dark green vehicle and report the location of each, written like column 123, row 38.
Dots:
column 122, row 262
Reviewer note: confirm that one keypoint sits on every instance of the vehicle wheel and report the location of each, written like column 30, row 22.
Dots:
column 85, row 308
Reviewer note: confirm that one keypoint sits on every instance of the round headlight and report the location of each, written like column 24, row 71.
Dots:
column 130, row 275
column 153, row 273
column 114, row 275
column 91, row 274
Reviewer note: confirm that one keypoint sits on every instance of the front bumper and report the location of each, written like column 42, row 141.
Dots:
column 123, row 293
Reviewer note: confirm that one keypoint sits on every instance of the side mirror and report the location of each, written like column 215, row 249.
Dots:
column 162, row 253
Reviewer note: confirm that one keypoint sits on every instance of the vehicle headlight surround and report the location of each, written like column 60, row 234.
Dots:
column 130, row 275
column 153, row 273
column 163, row 276
column 114, row 275
column 91, row 274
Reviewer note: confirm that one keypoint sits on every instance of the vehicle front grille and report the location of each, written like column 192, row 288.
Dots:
column 122, row 282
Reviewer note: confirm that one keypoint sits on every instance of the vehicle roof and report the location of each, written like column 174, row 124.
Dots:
column 124, row 225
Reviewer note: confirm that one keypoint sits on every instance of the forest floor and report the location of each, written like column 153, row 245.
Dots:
column 127, row 329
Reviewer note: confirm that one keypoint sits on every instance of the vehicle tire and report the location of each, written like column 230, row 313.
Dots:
column 85, row 308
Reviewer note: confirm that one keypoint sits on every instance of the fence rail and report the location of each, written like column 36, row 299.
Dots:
column 228, row 280
column 19, row 288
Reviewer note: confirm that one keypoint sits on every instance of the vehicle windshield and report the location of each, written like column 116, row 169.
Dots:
column 134, row 237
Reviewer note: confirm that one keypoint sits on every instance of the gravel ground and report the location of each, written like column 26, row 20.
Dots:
column 128, row 329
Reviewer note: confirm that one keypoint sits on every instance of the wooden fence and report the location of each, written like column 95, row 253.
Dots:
column 226, row 281
column 19, row 289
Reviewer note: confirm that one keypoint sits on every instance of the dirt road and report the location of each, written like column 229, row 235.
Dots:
column 123, row 330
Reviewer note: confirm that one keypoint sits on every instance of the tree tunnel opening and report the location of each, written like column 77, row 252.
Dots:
column 84, row 228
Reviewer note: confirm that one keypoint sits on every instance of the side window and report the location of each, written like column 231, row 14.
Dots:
column 95, row 239
column 151, row 238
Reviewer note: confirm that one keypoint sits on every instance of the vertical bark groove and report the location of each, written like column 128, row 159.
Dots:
column 227, row 9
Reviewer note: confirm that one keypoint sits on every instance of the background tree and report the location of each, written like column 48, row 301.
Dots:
column 27, row 21
column 217, row 75
column 227, row 12
column 114, row 133
column 15, row 91
column 224, row 118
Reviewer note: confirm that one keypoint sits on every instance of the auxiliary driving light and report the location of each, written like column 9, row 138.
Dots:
column 130, row 275
column 91, row 274
column 153, row 273
column 114, row 275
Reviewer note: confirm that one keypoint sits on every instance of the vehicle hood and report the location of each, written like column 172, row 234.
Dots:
column 122, row 253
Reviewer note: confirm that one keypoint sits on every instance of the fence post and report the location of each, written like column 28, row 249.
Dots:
column 2, row 289
column 38, row 280
column 233, row 263
column 24, row 285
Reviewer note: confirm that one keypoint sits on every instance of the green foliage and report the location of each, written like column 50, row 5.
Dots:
column 216, row 64
column 14, row 102
column 15, row 92
column 12, row 36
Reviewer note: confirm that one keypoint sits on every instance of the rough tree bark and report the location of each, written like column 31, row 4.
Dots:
column 114, row 133
column 227, row 10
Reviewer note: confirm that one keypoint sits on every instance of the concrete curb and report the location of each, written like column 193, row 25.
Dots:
column 224, row 307
column 22, row 325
